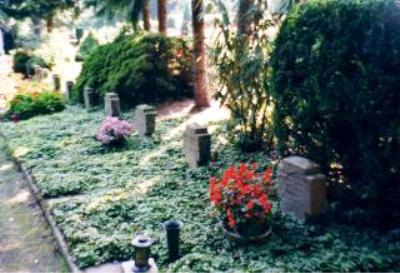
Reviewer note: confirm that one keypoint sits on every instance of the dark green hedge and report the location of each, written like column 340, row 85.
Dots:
column 88, row 46
column 24, row 62
column 336, row 78
column 141, row 69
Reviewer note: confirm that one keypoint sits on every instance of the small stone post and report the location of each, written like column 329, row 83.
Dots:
column 37, row 72
column 112, row 105
column 145, row 120
column 301, row 187
column 56, row 82
column 68, row 90
column 197, row 145
column 88, row 96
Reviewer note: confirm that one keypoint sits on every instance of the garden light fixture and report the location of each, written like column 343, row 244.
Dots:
column 142, row 244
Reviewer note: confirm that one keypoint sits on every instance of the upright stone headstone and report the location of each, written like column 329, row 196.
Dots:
column 112, row 105
column 301, row 187
column 68, row 90
column 145, row 120
column 43, row 73
column 37, row 72
column 56, row 82
column 197, row 145
column 88, row 94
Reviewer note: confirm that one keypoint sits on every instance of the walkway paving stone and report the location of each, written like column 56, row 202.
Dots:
column 26, row 242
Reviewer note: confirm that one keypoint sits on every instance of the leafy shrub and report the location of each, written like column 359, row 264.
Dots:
column 24, row 106
column 24, row 63
column 141, row 69
column 88, row 46
column 336, row 71
column 242, row 66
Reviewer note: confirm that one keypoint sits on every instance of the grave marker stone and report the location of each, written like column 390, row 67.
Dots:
column 88, row 93
column 145, row 120
column 56, row 82
column 197, row 145
column 68, row 90
column 301, row 187
column 112, row 105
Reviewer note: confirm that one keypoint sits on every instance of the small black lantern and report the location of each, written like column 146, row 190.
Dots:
column 173, row 228
column 142, row 244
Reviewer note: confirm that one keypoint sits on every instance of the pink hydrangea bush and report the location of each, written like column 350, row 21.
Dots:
column 114, row 131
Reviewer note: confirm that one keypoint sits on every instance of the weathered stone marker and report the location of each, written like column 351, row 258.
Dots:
column 88, row 93
column 145, row 120
column 68, row 90
column 112, row 105
column 37, row 72
column 197, row 145
column 301, row 187
column 56, row 82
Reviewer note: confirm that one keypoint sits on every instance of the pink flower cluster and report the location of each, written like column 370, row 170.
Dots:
column 113, row 130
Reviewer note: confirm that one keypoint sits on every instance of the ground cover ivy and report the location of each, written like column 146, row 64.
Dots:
column 134, row 189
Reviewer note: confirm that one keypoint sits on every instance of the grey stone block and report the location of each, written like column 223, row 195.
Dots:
column 145, row 120
column 197, row 145
column 112, row 105
column 56, row 82
column 302, row 189
column 88, row 97
column 68, row 90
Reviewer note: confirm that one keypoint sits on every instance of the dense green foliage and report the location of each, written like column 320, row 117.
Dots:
column 89, row 44
column 24, row 62
column 133, row 189
column 242, row 66
column 336, row 72
column 24, row 106
column 141, row 69
column 33, row 9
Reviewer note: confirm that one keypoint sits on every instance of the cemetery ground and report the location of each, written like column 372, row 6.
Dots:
column 101, row 198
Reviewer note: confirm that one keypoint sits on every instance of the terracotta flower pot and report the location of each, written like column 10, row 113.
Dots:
column 235, row 236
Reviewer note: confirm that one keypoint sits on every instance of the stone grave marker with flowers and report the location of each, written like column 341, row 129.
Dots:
column 145, row 120
column 114, row 132
column 88, row 94
column 112, row 105
column 197, row 145
column 301, row 187
column 241, row 199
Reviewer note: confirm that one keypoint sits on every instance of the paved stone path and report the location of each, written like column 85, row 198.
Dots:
column 26, row 242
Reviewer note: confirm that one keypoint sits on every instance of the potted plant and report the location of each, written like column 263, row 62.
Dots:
column 241, row 199
column 114, row 132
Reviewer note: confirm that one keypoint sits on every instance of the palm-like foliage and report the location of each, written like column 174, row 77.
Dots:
column 45, row 9
column 129, row 9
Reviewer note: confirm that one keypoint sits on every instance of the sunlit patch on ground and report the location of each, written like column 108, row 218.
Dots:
column 6, row 167
column 21, row 197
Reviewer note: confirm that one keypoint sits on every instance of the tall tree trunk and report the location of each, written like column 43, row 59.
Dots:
column 162, row 16
column 245, row 17
column 202, row 98
column 50, row 24
column 146, row 15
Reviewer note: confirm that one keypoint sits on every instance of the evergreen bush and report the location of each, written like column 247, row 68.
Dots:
column 89, row 44
column 336, row 79
column 141, row 69
column 24, row 62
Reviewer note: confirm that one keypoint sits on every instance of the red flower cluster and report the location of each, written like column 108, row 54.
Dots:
column 242, row 194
